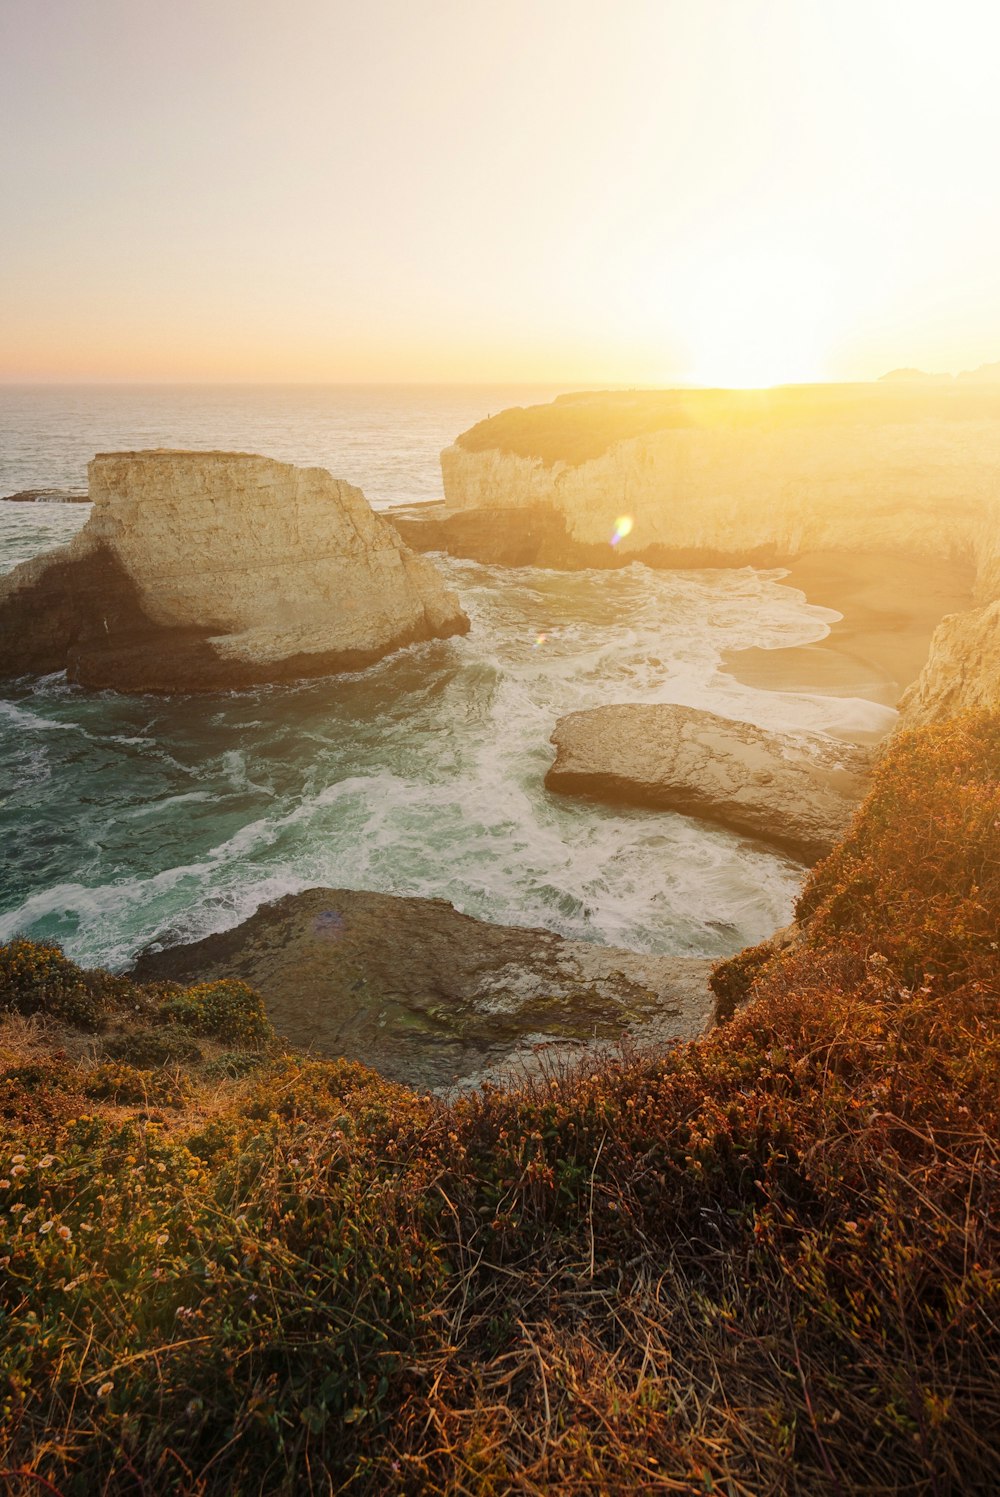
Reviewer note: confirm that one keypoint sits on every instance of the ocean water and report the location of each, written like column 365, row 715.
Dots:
column 134, row 820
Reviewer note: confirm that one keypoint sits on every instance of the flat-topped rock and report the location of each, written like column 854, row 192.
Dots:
column 45, row 496
column 427, row 995
column 797, row 791
column 212, row 570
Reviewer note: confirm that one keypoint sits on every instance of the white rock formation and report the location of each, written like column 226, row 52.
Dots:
column 922, row 488
column 962, row 671
column 199, row 570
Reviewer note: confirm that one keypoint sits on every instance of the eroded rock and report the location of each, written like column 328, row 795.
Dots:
column 797, row 791
column 427, row 995
column 206, row 571
column 962, row 672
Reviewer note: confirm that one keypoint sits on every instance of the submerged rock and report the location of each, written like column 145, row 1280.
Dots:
column 45, row 496
column 797, row 791
column 200, row 571
column 428, row 995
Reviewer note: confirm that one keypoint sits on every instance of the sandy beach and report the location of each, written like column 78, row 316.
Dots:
column 890, row 606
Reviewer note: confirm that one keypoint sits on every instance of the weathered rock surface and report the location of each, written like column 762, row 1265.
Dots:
column 962, row 672
column 797, row 791
column 206, row 571
column 427, row 995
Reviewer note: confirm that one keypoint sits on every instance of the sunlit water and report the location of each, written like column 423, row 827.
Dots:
column 129, row 820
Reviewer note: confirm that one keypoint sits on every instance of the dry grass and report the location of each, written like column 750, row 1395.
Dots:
column 765, row 1263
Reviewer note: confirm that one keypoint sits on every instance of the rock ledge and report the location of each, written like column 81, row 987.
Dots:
column 797, row 791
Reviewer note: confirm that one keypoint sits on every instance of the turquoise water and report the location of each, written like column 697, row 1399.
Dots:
column 130, row 820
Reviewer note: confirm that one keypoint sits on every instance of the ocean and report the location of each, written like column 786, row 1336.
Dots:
column 130, row 821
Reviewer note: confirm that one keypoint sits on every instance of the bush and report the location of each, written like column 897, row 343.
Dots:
column 39, row 979
column 230, row 1011
column 115, row 1082
column 148, row 1049
column 234, row 1064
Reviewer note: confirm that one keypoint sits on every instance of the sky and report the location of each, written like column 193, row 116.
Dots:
column 581, row 191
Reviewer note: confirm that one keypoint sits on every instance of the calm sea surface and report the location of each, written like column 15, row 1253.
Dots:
column 129, row 820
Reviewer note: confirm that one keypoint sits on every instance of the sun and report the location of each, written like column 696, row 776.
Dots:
column 757, row 320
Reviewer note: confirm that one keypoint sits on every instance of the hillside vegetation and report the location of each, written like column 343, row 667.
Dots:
column 763, row 1263
column 573, row 429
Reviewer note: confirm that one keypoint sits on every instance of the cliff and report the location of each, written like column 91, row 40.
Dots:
column 962, row 673
column 205, row 571
column 737, row 477
column 757, row 477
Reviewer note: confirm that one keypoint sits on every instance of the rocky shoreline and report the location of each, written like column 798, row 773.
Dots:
column 146, row 598
column 428, row 995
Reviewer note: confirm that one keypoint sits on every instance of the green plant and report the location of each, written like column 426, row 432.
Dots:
column 39, row 979
column 228, row 1010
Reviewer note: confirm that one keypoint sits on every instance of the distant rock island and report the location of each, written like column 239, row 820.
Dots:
column 46, row 496
column 202, row 571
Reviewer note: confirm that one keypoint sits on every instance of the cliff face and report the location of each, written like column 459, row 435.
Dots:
column 756, row 477
column 929, row 488
column 962, row 671
column 199, row 571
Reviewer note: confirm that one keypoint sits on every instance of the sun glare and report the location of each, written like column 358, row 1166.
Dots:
column 759, row 320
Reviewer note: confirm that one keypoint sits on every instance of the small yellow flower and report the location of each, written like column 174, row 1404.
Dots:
column 44, row 1163
column 64, row 1233
column 46, row 1226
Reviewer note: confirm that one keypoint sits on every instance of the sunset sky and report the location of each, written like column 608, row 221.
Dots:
column 620, row 191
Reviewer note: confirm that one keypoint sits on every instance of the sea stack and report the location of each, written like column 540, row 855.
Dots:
column 204, row 571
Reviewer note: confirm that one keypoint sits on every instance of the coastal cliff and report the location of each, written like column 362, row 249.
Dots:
column 759, row 477
column 962, row 673
column 731, row 477
column 205, row 571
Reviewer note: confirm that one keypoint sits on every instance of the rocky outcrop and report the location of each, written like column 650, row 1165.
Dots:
column 211, row 570
column 962, row 671
column 427, row 995
column 737, row 477
column 796, row 791
column 45, row 496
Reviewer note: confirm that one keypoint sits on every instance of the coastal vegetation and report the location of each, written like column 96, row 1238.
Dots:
column 575, row 428
column 768, row 1261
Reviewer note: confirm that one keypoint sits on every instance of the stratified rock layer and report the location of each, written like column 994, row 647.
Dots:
column 428, row 995
column 205, row 571
column 797, row 791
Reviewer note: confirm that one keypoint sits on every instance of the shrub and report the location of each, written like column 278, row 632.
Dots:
column 115, row 1082
column 234, row 1064
column 39, row 979
column 230, row 1011
column 148, row 1049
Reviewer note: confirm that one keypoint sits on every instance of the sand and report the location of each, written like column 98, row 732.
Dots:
column 890, row 606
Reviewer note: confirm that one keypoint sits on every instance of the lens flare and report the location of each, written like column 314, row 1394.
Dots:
column 540, row 640
column 623, row 527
